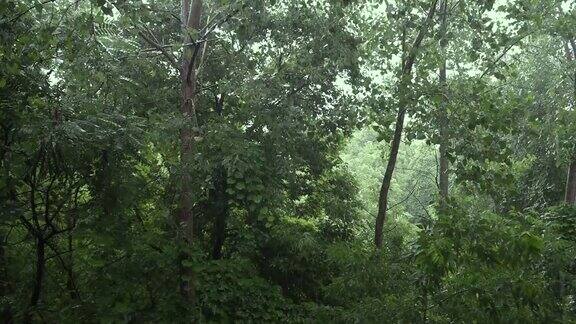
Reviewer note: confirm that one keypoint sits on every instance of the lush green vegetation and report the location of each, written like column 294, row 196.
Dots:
column 347, row 161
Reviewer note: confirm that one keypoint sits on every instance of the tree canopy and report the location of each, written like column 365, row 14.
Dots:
column 341, row 161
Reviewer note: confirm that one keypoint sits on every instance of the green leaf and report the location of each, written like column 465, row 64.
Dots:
column 107, row 10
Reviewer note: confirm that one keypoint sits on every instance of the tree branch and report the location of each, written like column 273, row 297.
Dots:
column 506, row 50
column 161, row 48
column 18, row 16
column 419, row 38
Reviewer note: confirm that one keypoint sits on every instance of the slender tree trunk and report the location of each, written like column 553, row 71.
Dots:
column 71, row 279
column 6, row 312
column 385, row 188
column 218, row 197
column 9, row 203
column 188, row 110
column 570, row 197
column 443, row 114
column 190, row 16
column 219, row 206
column 424, row 304
column 3, row 279
column 404, row 101
column 39, row 273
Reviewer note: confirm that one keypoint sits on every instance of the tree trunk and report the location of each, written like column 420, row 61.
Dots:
column 6, row 312
column 190, row 17
column 71, row 278
column 385, row 188
column 219, row 206
column 9, row 202
column 570, row 197
column 39, row 274
column 442, row 113
column 404, row 101
column 218, row 197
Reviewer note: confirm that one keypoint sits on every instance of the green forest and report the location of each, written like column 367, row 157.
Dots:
column 287, row 161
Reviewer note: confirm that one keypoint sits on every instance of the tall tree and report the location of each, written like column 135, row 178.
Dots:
column 570, row 194
column 193, row 49
column 193, row 43
column 409, row 56
column 442, row 113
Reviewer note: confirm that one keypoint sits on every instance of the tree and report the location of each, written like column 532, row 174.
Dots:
column 443, row 172
column 221, row 161
column 570, row 196
column 191, row 15
column 409, row 56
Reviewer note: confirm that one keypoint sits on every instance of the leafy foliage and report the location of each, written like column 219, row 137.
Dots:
column 295, row 105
